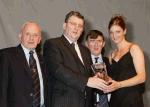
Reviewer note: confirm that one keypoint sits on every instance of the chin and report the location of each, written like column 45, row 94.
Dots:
column 32, row 47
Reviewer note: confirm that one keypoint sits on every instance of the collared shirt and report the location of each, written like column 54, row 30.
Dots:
column 68, row 39
column 27, row 55
column 100, row 60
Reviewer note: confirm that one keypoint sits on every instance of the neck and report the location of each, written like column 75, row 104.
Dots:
column 69, row 39
column 122, row 45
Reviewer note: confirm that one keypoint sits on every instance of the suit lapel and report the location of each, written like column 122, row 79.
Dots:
column 23, row 60
column 82, row 54
column 42, row 66
column 71, row 49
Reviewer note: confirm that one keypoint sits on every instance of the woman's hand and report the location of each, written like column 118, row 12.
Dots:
column 114, row 85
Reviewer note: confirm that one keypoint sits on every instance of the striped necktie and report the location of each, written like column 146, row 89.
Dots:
column 36, row 82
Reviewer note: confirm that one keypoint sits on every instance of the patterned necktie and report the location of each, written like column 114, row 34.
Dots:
column 96, row 59
column 36, row 82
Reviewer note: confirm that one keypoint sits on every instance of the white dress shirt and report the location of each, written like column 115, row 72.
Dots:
column 100, row 60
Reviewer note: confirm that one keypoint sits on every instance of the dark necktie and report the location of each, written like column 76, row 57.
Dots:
column 36, row 82
column 96, row 59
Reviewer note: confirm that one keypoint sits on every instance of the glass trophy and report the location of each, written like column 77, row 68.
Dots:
column 100, row 68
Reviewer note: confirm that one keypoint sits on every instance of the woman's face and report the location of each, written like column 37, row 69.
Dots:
column 117, row 34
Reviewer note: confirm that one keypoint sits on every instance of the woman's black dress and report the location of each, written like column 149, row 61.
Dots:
column 129, row 96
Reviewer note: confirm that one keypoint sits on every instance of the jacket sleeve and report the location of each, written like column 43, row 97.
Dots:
column 4, row 79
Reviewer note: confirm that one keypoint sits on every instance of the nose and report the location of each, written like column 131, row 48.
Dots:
column 76, row 27
column 96, row 43
column 31, row 37
column 112, row 35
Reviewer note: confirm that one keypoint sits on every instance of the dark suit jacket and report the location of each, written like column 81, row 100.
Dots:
column 16, row 85
column 67, row 74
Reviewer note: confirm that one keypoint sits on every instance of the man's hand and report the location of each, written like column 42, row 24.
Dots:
column 95, row 82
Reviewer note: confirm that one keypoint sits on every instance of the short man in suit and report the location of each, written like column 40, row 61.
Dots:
column 68, row 63
column 22, row 79
column 95, row 42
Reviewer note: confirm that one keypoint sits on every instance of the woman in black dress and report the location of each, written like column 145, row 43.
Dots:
column 127, row 68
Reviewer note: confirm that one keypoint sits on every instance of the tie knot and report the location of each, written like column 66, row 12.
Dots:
column 31, row 52
column 32, row 61
column 73, row 44
column 96, row 59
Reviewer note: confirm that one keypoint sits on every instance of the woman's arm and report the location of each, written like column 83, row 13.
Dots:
column 139, row 64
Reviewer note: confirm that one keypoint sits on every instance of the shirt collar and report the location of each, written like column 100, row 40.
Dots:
column 100, row 58
column 26, row 51
column 69, row 39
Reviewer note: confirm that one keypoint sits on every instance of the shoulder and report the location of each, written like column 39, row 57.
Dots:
column 136, row 51
column 105, row 58
column 112, row 54
column 52, row 40
column 135, row 48
column 8, row 50
column 8, row 53
column 84, row 48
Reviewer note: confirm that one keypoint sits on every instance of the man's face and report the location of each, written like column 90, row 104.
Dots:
column 73, row 28
column 95, row 45
column 30, row 36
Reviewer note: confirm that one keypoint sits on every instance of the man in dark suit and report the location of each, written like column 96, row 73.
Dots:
column 95, row 42
column 19, row 86
column 68, row 63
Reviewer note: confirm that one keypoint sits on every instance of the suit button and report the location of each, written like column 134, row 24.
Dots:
column 31, row 94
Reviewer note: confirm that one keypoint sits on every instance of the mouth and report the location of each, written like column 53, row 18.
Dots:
column 31, row 43
column 75, row 33
column 96, row 48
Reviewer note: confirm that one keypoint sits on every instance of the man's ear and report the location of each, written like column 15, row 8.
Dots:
column 39, row 40
column 125, row 31
column 86, row 44
column 64, row 25
column 20, row 36
column 103, row 43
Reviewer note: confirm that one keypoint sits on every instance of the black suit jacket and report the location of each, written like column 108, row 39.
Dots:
column 67, row 74
column 16, row 85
